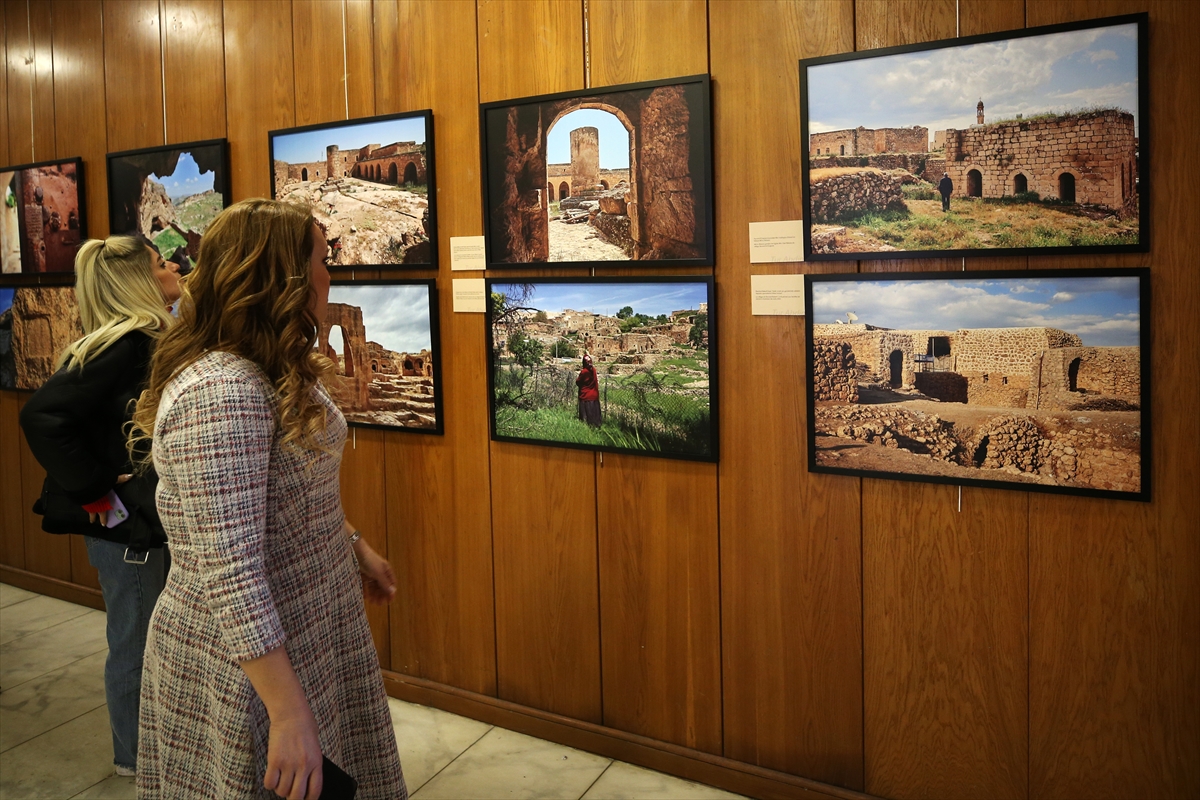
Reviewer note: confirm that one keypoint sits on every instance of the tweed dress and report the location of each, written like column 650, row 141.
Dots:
column 258, row 560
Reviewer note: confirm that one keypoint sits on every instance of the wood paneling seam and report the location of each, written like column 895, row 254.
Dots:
column 162, row 62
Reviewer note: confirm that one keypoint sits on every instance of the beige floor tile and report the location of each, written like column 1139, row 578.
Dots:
column 10, row 594
column 60, row 763
column 624, row 781
column 429, row 739
column 112, row 788
column 38, row 653
column 35, row 614
column 505, row 764
column 49, row 700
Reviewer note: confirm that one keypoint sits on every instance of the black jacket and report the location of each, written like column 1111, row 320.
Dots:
column 75, row 425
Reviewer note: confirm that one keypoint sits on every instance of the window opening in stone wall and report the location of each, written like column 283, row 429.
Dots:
column 1020, row 184
column 843, row 150
column 1066, row 187
column 896, row 368
column 974, row 183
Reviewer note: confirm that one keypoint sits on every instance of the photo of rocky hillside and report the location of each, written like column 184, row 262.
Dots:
column 1027, row 379
column 36, row 325
column 382, row 335
column 169, row 195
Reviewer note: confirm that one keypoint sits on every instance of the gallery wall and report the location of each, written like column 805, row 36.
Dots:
column 745, row 623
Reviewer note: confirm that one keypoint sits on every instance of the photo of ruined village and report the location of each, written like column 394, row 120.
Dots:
column 169, row 195
column 367, row 182
column 36, row 325
column 608, row 364
column 382, row 337
column 1034, row 380
column 42, row 220
column 618, row 175
column 1014, row 144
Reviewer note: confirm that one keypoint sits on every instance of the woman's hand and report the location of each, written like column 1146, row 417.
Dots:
column 379, row 581
column 294, row 757
column 98, row 519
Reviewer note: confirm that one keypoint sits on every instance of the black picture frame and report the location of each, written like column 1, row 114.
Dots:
column 353, row 239
column 642, row 226
column 175, row 230
column 641, row 410
column 57, row 190
column 1031, row 407
column 37, row 322
column 412, row 375
column 1068, row 177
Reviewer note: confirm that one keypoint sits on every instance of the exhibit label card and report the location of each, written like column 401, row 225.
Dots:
column 469, row 296
column 777, row 295
column 772, row 242
column 466, row 252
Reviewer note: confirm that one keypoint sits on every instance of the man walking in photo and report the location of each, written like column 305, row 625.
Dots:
column 945, row 186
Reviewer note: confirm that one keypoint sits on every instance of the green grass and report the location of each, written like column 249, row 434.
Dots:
column 168, row 240
column 919, row 191
column 196, row 215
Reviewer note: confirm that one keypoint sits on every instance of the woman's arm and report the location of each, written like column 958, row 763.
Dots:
column 379, row 581
column 293, row 747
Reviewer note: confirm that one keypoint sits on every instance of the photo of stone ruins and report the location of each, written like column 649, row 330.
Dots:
column 1049, row 165
column 36, row 325
column 652, row 205
column 40, row 219
column 385, row 383
column 649, row 345
column 1027, row 404
column 372, row 200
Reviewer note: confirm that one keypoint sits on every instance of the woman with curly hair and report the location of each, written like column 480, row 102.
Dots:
column 259, row 658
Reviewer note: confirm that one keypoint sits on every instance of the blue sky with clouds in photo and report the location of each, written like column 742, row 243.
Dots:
column 650, row 299
column 614, row 139
column 298, row 148
column 1103, row 312
column 939, row 89
column 186, row 180
column 396, row 317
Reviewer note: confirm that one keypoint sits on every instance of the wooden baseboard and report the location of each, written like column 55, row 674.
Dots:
column 53, row 587
column 683, row 762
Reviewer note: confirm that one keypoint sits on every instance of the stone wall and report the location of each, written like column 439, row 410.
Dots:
column 1102, row 375
column 997, row 391
column 909, row 162
column 354, row 363
column 45, row 320
column 1005, row 351
column 836, row 196
column 835, row 376
column 862, row 141
column 1097, row 149
column 47, row 201
column 946, row 386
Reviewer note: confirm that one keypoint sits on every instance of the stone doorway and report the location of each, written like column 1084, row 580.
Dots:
column 896, row 369
column 564, row 191
column 1073, row 375
column 410, row 173
column 974, row 183
column 392, row 174
column 550, row 191
column 1066, row 187
column 304, row 173
column 1020, row 184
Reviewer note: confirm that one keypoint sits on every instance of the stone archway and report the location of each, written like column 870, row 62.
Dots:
column 974, row 183
column 896, row 369
column 564, row 191
column 410, row 173
column 1020, row 183
column 1073, row 375
column 304, row 173
column 604, row 185
column 1066, row 187
column 550, row 191
column 393, row 174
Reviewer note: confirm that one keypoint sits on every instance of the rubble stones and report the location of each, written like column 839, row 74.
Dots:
column 836, row 196
column 834, row 373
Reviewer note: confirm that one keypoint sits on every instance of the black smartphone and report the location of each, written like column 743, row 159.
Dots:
column 336, row 785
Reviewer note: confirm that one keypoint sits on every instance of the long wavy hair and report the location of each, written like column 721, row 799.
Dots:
column 117, row 294
column 250, row 295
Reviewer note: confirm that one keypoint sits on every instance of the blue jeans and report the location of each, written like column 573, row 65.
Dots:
column 130, row 592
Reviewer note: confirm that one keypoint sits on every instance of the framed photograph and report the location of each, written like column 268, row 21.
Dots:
column 383, row 337
column 43, row 219
column 370, row 184
column 1019, row 379
column 622, row 173
column 36, row 325
column 1029, row 142
column 169, row 195
column 625, row 365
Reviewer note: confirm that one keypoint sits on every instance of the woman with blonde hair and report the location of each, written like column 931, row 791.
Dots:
column 75, row 426
column 259, row 658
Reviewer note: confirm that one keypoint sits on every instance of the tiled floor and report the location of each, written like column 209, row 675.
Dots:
column 55, row 741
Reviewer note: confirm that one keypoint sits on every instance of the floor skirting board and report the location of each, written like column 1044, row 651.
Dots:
column 53, row 587
column 683, row 762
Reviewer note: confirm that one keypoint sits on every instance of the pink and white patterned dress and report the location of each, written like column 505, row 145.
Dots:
column 258, row 560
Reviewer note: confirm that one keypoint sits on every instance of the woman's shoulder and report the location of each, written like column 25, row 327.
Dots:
column 219, row 374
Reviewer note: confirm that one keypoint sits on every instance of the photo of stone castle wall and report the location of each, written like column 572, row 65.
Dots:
column 40, row 219
column 1023, row 402
column 1033, row 141
column 381, row 340
column 371, row 199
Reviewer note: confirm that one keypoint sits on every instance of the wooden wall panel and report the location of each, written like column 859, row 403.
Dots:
column 41, row 31
column 790, row 558
column 440, row 534
column 12, row 523
column 134, row 82
column 317, row 42
column 4, row 159
column 657, row 520
column 194, row 69
column 360, row 58
column 1115, row 587
column 45, row 554
column 18, row 77
column 363, row 499
column 259, row 87
column 543, row 499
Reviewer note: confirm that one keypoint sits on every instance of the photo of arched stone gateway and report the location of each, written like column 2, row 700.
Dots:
column 372, row 199
column 623, row 173
column 1020, row 142
column 1033, row 380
